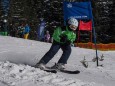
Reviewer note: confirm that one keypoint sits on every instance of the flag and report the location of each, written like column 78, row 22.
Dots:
column 78, row 10
column 85, row 25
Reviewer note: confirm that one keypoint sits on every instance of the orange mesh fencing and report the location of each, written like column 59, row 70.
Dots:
column 110, row 46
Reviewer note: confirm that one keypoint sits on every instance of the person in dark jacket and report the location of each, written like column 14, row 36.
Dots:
column 20, row 31
column 12, row 30
column 62, row 38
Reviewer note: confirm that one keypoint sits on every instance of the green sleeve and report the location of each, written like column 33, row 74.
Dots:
column 56, row 34
column 71, row 37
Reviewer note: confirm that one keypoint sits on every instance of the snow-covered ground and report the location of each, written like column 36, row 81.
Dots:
column 17, row 56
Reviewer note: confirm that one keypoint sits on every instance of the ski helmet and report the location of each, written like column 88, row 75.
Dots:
column 73, row 21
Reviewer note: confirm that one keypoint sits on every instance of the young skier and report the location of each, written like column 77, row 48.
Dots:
column 62, row 38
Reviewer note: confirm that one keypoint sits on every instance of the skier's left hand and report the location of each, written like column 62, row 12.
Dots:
column 63, row 38
column 68, row 42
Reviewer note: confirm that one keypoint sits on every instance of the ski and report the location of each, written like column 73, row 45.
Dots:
column 50, row 70
column 65, row 71
column 70, row 71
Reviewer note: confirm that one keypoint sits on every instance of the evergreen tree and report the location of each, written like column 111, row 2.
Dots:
column 32, row 11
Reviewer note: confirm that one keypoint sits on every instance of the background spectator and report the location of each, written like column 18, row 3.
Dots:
column 47, row 36
column 26, row 31
column 20, row 31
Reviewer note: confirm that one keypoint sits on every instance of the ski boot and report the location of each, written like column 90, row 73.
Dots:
column 41, row 66
column 58, row 66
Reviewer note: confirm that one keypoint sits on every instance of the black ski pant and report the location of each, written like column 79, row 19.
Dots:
column 53, row 50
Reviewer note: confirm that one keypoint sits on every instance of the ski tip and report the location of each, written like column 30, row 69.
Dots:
column 54, row 71
column 75, row 72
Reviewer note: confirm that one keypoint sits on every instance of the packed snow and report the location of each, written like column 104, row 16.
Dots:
column 18, row 56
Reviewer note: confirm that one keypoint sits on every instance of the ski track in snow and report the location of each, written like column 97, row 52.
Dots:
column 20, row 75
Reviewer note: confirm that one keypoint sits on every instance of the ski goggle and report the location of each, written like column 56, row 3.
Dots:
column 73, row 27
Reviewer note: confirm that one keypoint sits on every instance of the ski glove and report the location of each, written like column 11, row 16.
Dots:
column 67, row 42
column 63, row 38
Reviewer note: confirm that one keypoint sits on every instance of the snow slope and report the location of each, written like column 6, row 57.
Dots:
column 17, row 56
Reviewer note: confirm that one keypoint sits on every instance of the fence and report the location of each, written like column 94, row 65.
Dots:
column 89, row 45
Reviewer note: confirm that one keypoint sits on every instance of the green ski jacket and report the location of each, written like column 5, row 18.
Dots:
column 71, row 36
